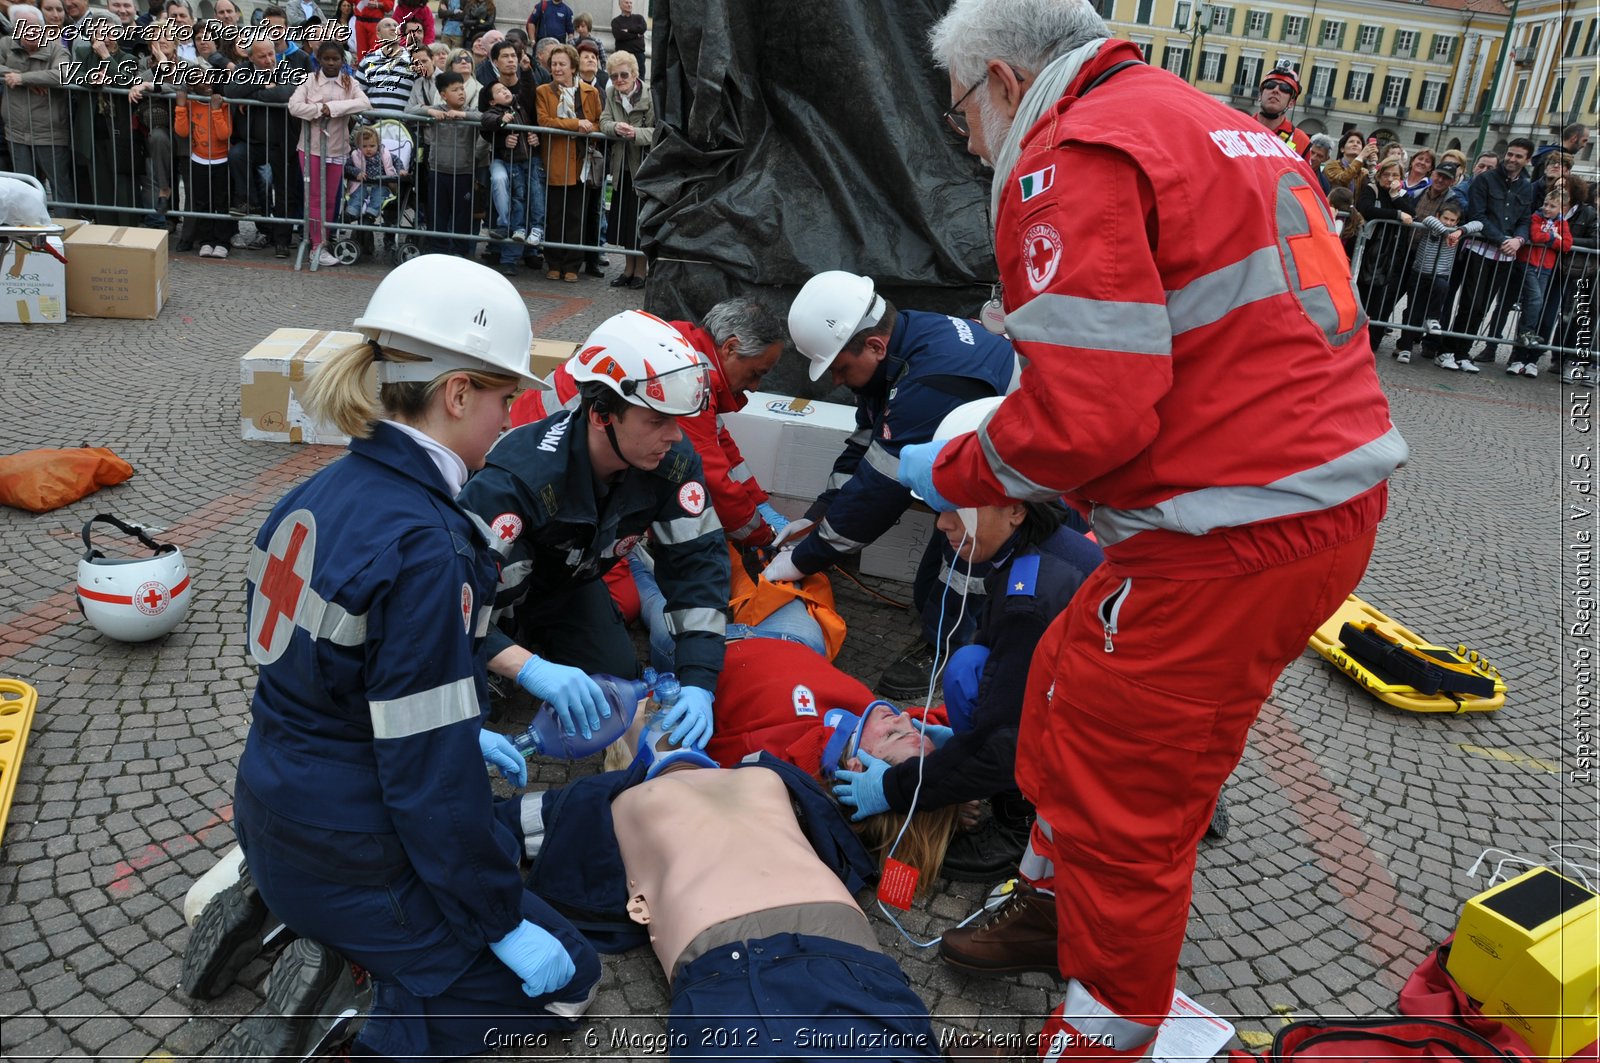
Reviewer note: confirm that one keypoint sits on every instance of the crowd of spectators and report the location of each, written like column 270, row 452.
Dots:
column 165, row 119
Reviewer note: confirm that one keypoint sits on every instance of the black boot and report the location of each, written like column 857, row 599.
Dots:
column 226, row 936
column 907, row 677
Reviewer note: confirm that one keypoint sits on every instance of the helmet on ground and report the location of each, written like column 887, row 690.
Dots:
column 832, row 307
column 646, row 362
column 133, row 599
column 968, row 417
column 458, row 315
column 1285, row 73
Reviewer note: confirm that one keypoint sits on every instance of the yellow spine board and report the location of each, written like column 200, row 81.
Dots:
column 17, row 702
column 1355, row 611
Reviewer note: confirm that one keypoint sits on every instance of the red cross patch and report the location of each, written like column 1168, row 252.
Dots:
column 625, row 546
column 291, row 557
column 506, row 527
column 692, row 497
column 805, row 703
column 152, row 598
column 1041, row 254
column 466, row 608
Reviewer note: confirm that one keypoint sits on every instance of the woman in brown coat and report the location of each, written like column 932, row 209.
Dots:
column 566, row 103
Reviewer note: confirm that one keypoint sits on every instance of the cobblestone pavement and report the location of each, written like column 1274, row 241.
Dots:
column 1354, row 825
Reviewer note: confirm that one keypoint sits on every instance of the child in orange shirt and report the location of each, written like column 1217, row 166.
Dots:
column 208, row 123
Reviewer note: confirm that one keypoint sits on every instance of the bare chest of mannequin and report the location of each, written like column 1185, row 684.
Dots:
column 705, row 845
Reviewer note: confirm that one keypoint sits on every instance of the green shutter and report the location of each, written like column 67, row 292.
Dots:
column 1377, row 45
column 1229, row 30
column 1266, row 24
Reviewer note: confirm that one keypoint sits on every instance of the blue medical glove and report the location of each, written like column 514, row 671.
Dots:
column 939, row 735
column 688, row 722
column 498, row 752
column 863, row 790
column 775, row 520
column 916, row 472
column 576, row 698
column 536, row 957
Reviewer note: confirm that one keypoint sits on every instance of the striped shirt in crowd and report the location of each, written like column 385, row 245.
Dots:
column 386, row 80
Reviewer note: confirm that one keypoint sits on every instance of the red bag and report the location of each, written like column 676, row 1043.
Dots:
column 1430, row 991
column 42, row 480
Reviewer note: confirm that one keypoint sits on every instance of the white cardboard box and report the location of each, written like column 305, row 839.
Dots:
column 790, row 446
column 272, row 380
column 33, row 286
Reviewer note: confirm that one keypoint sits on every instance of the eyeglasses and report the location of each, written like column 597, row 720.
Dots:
column 954, row 118
column 1281, row 86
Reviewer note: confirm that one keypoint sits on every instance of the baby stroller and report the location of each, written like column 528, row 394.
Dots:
column 399, row 210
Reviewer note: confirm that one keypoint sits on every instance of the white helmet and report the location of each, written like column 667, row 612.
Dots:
column 832, row 307
column 646, row 362
column 968, row 417
column 133, row 599
column 454, row 313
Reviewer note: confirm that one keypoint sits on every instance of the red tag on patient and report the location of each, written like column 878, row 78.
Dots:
column 898, row 884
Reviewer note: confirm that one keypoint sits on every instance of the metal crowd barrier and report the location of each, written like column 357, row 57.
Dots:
column 123, row 162
column 1483, row 299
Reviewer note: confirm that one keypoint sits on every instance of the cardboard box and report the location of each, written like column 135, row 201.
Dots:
column 544, row 356
column 790, row 446
column 116, row 271
column 33, row 286
column 272, row 382
column 68, row 225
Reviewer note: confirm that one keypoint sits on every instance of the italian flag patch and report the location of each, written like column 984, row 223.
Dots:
column 1037, row 182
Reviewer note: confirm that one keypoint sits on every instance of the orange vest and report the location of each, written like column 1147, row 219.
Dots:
column 752, row 601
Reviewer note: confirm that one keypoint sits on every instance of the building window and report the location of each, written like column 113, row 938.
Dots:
column 1577, row 99
column 1588, row 38
column 1322, row 81
column 1367, row 38
column 1294, row 29
column 1396, row 89
column 1405, row 43
column 1572, row 38
column 1534, row 34
column 1444, row 48
column 1258, row 24
column 1521, row 95
column 1175, row 59
column 1556, row 92
column 1211, row 66
column 1221, row 19
column 1432, row 96
column 1248, row 73
column 1332, row 33
column 1358, row 86
column 1143, row 12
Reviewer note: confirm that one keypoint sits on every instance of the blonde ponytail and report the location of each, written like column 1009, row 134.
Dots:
column 341, row 393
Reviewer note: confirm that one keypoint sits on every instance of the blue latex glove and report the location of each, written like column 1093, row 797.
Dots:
column 916, row 472
column 939, row 735
column 536, row 957
column 863, row 790
column 576, row 698
column 689, row 721
column 498, row 752
column 775, row 520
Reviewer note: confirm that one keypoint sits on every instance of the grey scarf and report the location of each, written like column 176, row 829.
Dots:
column 1047, row 88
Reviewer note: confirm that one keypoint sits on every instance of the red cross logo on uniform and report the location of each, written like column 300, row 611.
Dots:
column 804, row 703
column 282, row 586
column 1041, row 254
column 1320, row 261
column 692, row 497
column 506, row 527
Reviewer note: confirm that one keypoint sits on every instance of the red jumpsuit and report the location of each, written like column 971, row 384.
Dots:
column 1200, row 383
column 368, row 14
column 734, row 492
column 771, row 697
column 1290, row 134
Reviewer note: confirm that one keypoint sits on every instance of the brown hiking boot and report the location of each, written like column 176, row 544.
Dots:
column 1017, row 937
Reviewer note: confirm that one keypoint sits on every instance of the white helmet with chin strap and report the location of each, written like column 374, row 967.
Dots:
column 454, row 314
column 968, row 417
column 133, row 599
column 646, row 362
column 832, row 307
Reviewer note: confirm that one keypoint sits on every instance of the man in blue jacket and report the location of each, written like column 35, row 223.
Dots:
column 908, row 370
column 1502, row 200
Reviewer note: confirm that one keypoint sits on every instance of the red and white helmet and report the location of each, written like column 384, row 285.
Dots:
column 646, row 362
column 133, row 599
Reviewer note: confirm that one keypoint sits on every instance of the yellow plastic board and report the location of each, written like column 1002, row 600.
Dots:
column 17, row 702
column 1354, row 611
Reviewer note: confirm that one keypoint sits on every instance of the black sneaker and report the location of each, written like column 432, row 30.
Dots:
column 280, row 250
column 986, row 853
column 908, row 676
column 226, row 936
column 310, row 989
column 239, row 210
